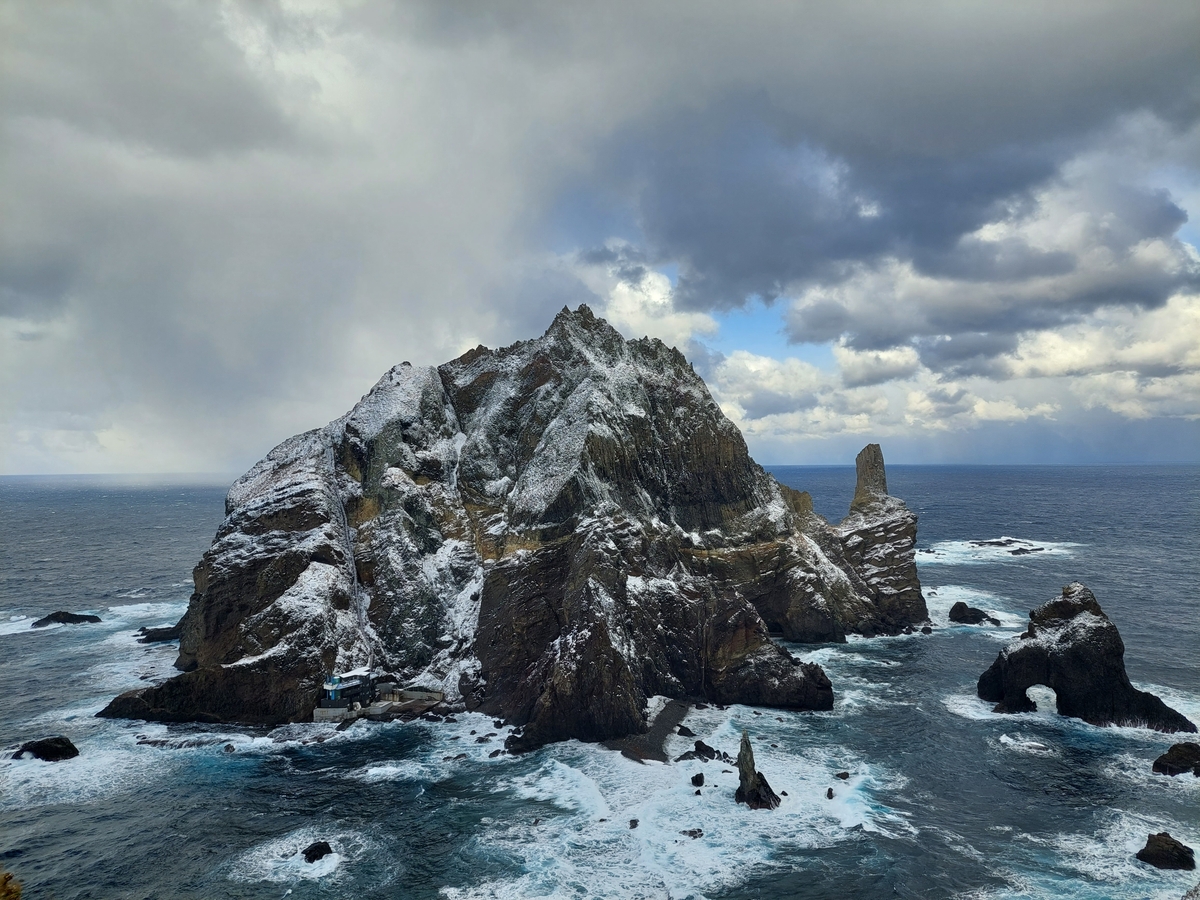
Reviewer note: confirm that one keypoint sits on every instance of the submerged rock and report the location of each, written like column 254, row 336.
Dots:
column 1073, row 648
column 1164, row 852
column 753, row 788
column 52, row 749
column 549, row 533
column 969, row 615
column 317, row 850
column 62, row 617
column 1179, row 759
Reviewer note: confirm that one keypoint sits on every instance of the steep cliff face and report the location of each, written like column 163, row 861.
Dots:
column 551, row 532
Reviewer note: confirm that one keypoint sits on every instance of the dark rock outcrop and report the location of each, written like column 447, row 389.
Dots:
column 1179, row 759
column 52, row 749
column 550, row 533
column 1164, row 852
column 969, row 615
column 62, row 617
column 1073, row 648
column 753, row 788
column 317, row 850
column 1193, row 894
column 158, row 635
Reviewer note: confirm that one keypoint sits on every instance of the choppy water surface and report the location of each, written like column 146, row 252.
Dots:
column 944, row 798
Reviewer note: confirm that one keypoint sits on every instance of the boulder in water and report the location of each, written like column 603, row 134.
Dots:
column 1180, row 758
column 1073, row 648
column 52, row 749
column 62, row 617
column 317, row 850
column 969, row 615
column 158, row 635
column 753, row 789
column 1164, row 852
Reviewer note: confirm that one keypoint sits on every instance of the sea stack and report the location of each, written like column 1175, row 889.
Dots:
column 1073, row 648
column 753, row 789
column 879, row 538
column 551, row 533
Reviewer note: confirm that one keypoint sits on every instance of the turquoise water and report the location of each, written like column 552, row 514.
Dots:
column 945, row 798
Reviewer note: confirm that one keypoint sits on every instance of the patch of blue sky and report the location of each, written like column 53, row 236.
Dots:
column 759, row 329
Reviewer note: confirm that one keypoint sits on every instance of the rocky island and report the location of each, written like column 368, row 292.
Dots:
column 550, row 532
column 1072, row 647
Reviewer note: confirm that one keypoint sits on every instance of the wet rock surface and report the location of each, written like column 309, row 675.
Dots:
column 1164, row 852
column 62, row 617
column 317, row 850
column 1073, row 648
column 1179, row 760
column 969, row 615
column 549, row 533
column 52, row 749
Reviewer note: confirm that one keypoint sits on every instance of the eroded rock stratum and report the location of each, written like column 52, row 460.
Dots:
column 549, row 532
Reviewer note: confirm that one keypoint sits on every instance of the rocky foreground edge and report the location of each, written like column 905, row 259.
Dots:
column 550, row 532
column 1072, row 647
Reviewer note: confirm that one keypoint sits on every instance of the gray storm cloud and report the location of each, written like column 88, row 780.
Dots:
column 220, row 222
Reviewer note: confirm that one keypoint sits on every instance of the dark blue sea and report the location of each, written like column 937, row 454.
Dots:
column 944, row 799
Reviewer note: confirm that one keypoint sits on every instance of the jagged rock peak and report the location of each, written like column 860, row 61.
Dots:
column 1073, row 648
column 871, row 484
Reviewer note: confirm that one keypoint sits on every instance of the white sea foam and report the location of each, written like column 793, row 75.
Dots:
column 1098, row 863
column 940, row 598
column 1109, row 855
column 1022, row 743
column 393, row 770
column 576, row 839
column 992, row 550
column 22, row 625
column 859, row 677
column 167, row 612
column 109, row 763
column 281, row 859
column 969, row 706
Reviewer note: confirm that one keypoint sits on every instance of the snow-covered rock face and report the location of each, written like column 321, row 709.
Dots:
column 552, row 532
column 1074, row 648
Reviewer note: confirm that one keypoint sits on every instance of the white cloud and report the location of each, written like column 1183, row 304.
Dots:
column 641, row 303
column 861, row 367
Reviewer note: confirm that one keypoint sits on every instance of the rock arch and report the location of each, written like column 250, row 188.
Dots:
column 1074, row 649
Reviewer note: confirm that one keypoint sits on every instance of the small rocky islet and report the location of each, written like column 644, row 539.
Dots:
column 555, row 531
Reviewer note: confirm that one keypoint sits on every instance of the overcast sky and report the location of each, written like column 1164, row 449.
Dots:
column 960, row 229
